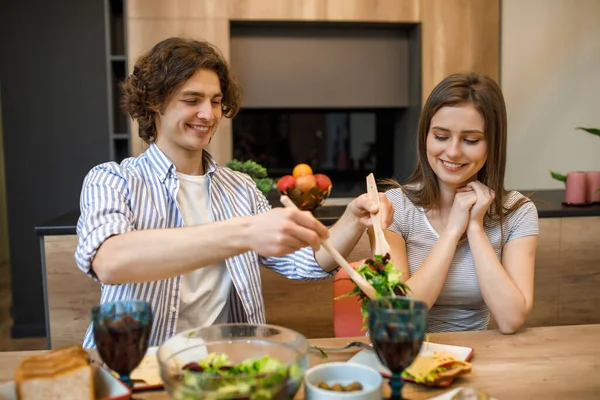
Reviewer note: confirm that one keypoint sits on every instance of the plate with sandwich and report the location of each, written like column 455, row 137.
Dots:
column 436, row 365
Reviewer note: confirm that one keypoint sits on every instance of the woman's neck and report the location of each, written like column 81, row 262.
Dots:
column 446, row 197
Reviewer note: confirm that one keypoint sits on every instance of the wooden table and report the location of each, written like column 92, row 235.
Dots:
column 560, row 362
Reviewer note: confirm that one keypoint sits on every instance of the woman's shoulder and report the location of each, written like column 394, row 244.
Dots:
column 406, row 213
column 521, row 212
column 399, row 198
column 514, row 200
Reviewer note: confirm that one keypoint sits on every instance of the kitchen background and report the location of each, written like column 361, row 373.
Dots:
column 59, row 116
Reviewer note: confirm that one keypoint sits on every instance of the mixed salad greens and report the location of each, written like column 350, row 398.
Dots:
column 216, row 377
column 380, row 273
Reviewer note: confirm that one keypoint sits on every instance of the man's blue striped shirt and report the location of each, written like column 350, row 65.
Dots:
column 140, row 193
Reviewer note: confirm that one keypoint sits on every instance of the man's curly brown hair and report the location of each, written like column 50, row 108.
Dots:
column 161, row 72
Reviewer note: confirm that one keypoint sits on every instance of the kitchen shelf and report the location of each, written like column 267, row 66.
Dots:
column 116, row 66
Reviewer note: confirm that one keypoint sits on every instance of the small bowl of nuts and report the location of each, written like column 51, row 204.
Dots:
column 340, row 380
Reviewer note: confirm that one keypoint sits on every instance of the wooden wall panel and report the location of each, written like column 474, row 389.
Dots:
column 307, row 10
column 580, row 269
column 373, row 10
column 71, row 294
column 304, row 306
column 286, row 10
column 145, row 33
column 458, row 36
column 547, row 274
column 178, row 9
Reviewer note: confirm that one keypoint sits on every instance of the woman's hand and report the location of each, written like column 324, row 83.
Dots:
column 464, row 200
column 361, row 208
column 485, row 197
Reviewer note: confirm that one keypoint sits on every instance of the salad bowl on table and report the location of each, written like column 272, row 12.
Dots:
column 234, row 361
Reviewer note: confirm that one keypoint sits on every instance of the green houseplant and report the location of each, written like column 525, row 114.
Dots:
column 563, row 178
column 257, row 172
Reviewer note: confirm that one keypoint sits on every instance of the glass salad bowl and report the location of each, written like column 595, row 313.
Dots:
column 234, row 361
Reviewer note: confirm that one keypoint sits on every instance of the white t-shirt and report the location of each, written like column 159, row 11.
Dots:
column 204, row 298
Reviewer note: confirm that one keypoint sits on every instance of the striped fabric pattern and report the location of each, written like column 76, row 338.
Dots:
column 140, row 193
column 460, row 305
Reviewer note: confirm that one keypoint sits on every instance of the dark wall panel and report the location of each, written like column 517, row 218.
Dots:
column 54, row 107
column 291, row 65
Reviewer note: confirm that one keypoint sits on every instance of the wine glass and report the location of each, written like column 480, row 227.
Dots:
column 122, row 332
column 397, row 326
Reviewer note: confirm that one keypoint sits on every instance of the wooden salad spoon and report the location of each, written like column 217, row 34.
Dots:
column 381, row 245
column 361, row 282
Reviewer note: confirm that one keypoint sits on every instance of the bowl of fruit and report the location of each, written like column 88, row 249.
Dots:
column 307, row 190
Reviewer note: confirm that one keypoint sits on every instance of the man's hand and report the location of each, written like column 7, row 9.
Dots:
column 284, row 230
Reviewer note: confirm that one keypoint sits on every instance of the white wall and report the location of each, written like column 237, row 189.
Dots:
column 550, row 76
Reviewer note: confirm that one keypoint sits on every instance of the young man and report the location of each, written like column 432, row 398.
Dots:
column 205, row 271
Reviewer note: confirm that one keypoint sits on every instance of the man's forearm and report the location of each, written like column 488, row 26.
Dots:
column 155, row 254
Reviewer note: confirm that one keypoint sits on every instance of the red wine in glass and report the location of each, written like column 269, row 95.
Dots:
column 397, row 327
column 122, row 332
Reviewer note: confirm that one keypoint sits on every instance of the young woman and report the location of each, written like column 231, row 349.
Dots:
column 466, row 246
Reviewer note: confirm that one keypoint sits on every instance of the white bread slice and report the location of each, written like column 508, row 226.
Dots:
column 64, row 374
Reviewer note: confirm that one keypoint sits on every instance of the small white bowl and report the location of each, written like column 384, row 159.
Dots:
column 343, row 373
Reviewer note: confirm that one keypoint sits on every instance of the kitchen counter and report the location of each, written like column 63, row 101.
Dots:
column 566, row 267
column 548, row 203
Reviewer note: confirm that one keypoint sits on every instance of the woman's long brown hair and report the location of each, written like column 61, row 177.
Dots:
column 486, row 96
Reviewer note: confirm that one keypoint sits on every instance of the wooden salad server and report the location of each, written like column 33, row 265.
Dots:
column 361, row 282
column 381, row 245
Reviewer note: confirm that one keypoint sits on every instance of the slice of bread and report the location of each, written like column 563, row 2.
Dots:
column 64, row 374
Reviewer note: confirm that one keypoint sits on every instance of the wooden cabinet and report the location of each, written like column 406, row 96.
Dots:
column 457, row 35
column 566, row 281
column 579, row 273
column 116, row 66
column 70, row 294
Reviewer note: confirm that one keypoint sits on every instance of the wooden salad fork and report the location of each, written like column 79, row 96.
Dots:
column 361, row 282
column 381, row 245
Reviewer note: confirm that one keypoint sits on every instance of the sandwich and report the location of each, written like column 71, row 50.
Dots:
column 436, row 369
column 64, row 374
